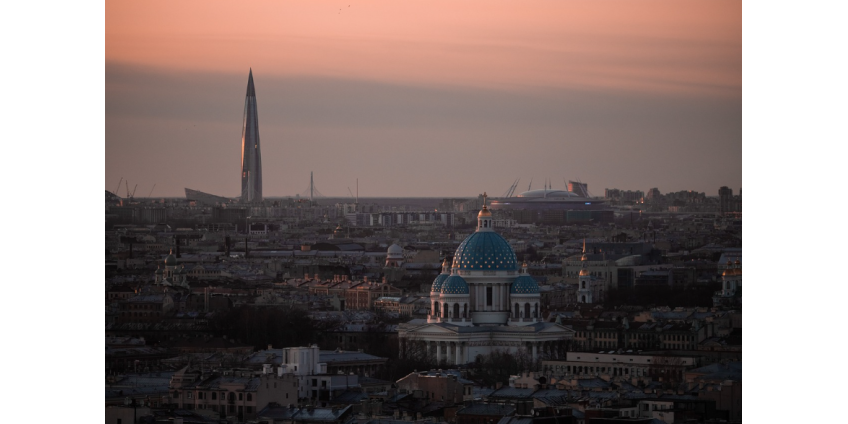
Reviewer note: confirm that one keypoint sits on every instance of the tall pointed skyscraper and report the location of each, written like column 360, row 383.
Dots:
column 251, row 156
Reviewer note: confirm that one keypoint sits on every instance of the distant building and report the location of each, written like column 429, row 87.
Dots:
column 729, row 203
column 437, row 387
column 145, row 308
column 231, row 392
column 251, row 156
column 581, row 189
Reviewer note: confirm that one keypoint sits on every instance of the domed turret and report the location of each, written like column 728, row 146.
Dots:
column 524, row 284
column 484, row 218
column 171, row 260
column 394, row 256
column 455, row 285
column 438, row 282
column 440, row 279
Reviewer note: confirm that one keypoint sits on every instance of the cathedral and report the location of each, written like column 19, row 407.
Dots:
column 173, row 275
column 482, row 302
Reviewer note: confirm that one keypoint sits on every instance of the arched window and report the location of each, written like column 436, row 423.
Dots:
column 583, row 298
column 583, row 285
column 516, row 311
column 465, row 310
column 456, row 310
column 527, row 309
column 536, row 310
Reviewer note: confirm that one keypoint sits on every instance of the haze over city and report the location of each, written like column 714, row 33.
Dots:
column 425, row 98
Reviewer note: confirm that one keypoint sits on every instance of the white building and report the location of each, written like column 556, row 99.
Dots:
column 311, row 374
column 483, row 303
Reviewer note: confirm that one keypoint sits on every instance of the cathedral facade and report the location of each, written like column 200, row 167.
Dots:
column 482, row 302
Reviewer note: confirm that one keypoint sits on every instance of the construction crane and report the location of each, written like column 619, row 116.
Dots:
column 119, row 186
column 351, row 192
column 151, row 191
column 127, row 185
column 531, row 184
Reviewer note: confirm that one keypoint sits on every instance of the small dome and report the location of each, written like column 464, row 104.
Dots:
column 395, row 250
column 171, row 259
column 584, row 272
column 524, row 284
column 485, row 212
column 438, row 282
column 455, row 285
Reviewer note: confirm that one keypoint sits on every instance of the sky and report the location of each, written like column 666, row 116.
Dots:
column 425, row 98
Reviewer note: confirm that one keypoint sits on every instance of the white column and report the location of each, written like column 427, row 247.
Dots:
column 481, row 297
column 458, row 353
column 438, row 351
column 535, row 350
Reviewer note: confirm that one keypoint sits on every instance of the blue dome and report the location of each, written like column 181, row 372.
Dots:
column 437, row 283
column 455, row 285
column 485, row 251
column 524, row 284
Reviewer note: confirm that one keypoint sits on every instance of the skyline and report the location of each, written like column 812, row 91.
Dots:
column 617, row 95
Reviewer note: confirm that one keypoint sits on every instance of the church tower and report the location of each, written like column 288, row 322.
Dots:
column 584, row 284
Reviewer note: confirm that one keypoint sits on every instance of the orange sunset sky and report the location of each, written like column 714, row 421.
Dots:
column 426, row 98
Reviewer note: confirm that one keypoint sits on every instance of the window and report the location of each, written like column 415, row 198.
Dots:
column 488, row 296
column 188, row 395
column 241, row 396
column 249, row 397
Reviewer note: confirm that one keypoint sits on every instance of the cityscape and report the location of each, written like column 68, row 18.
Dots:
column 583, row 286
